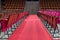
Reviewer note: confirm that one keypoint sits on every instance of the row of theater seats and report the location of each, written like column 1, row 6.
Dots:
column 13, row 4
column 15, row 1
column 7, row 20
column 49, row 4
column 51, row 16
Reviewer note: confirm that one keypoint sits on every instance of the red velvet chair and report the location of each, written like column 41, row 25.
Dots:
column 10, row 21
column 15, row 18
column 4, row 21
column 4, row 24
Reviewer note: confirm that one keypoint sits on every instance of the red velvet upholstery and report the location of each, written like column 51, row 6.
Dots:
column 52, row 16
column 4, row 24
column 10, row 20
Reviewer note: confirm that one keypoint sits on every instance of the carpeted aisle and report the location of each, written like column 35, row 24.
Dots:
column 31, row 29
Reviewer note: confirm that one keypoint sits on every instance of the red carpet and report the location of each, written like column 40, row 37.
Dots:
column 31, row 29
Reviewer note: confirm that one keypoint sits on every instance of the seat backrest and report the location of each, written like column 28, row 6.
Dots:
column 22, row 15
column 10, row 20
column 15, row 18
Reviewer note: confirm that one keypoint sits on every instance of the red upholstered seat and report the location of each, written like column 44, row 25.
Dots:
column 58, row 20
column 22, row 15
column 4, row 24
column 10, row 20
column 52, row 16
column 3, row 21
column 15, row 18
